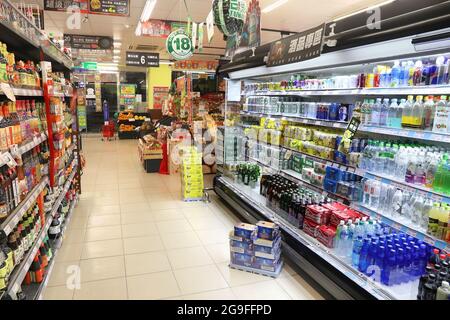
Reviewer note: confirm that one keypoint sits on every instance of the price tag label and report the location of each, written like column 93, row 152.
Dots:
column 428, row 240
column 288, row 154
column 14, row 149
column 9, row 160
column 132, row 120
column 8, row 91
column 36, row 140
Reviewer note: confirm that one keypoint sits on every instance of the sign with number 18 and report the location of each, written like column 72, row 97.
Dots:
column 179, row 45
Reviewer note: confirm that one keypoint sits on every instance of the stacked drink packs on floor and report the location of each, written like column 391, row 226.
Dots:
column 191, row 174
column 256, row 248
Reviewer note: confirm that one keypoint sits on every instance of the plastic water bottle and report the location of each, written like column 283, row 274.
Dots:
column 337, row 238
column 394, row 117
column 374, row 194
column 343, row 239
column 397, row 203
column 375, row 115
column 395, row 74
column 356, row 252
column 384, row 112
column 367, row 183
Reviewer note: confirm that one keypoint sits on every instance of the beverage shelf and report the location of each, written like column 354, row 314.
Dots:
column 419, row 90
column 376, row 289
column 407, row 133
column 297, row 176
column 403, row 225
column 13, row 219
column 423, row 191
column 309, row 121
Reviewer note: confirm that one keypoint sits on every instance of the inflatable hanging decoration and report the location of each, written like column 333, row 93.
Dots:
column 229, row 15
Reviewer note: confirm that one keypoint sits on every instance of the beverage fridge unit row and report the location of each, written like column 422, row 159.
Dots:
column 401, row 250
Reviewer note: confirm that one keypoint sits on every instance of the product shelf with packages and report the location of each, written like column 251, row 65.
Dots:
column 39, row 183
column 355, row 169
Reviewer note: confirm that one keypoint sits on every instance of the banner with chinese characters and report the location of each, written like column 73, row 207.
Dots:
column 200, row 65
column 160, row 94
column 54, row 5
column 299, row 47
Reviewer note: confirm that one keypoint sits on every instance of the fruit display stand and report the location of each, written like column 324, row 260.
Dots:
column 128, row 121
column 150, row 153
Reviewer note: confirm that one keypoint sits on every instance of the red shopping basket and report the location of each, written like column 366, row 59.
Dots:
column 108, row 131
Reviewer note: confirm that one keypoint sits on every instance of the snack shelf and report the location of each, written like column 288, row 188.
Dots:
column 419, row 90
column 13, row 219
column 403, row 225
column 313, row 246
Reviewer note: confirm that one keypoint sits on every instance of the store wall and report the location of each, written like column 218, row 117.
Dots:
column 158, row 77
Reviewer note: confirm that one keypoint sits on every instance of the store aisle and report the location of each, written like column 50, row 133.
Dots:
column 131, row 237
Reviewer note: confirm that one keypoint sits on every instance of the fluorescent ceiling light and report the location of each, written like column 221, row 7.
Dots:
column 364, row 10
column 138, row 31
column 166, row 62
column 148, row 9
column 117, row 44
column 116, row 51
column 274, row 5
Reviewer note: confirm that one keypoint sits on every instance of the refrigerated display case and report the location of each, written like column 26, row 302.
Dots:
column 293, row 121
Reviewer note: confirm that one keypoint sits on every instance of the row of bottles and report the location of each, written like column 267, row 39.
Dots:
column 434, row 283
column 420, row 211
column 19, row 122
column 399, row 74
column 17, row 182
column 413, row 163
column 431, row 113
column 18, row 73
column 389, row 258
column 292, row 106
column 36, row 273
column 18, row 242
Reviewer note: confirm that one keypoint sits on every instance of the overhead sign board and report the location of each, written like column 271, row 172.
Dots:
column 299, row 47
column 142, row 59
column 89, row 65
column 110, row 7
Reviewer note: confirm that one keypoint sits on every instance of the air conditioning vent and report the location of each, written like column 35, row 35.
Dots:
column 146, row 47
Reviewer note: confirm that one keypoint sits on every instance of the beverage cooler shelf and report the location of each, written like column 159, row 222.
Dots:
column 403, row 225
column 419, row 90
column 375, row 289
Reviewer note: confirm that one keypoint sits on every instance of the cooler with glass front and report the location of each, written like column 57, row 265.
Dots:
column 353, row 149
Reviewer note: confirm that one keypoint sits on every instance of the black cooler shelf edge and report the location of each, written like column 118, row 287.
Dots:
column 322, row 272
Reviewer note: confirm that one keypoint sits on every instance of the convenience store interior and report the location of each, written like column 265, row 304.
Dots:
column 309, row 164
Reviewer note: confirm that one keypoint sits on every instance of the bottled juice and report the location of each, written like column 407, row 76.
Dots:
column 443, row 222
column 417, row 115
column 407, row 112
column 433, row 219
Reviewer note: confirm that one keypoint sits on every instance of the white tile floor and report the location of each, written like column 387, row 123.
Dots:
column 133, row 238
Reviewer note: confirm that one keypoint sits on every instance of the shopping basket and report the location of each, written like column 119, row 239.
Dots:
column 108, row 131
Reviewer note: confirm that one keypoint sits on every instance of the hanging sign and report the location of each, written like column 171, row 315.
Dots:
column 110, row 7
column 7, row 90
column 179, row 45
column 299, row 47
column 229, row 15
column 89, row 65
column 251, row 35
column 200, row 37
column 194, row 34
column 210, row 25
column 52, row 5
column 142, row 59
column 77, row 41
